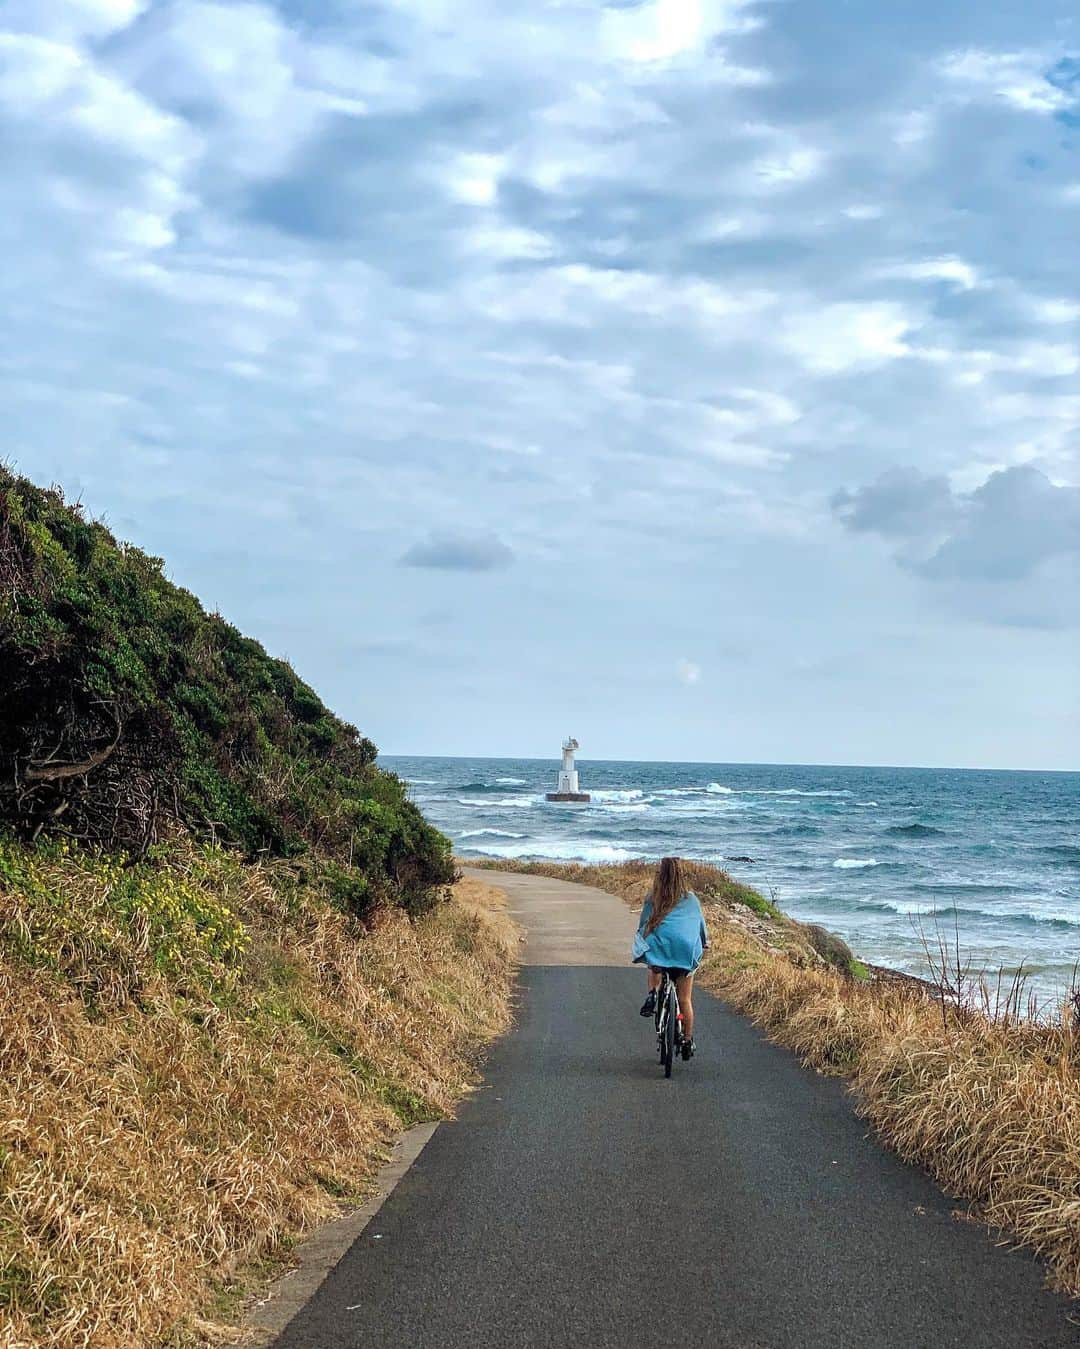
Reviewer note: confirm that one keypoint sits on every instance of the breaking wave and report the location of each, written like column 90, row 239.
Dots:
column 569, row 851
column 490, row 833
column 1051, row 918
column 499, row 803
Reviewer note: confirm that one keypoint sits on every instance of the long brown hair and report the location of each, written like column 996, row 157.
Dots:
column 667, row 889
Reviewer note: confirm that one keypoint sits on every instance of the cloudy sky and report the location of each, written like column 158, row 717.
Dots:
column 698, row 376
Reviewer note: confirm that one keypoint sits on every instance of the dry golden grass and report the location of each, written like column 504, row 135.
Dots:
column 158, row 1142
column 987, row 1102
column 991, row 1107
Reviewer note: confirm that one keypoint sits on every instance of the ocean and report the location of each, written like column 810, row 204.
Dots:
column 883, row 856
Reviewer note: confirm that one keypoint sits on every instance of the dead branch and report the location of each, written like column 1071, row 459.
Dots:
column 44, row 770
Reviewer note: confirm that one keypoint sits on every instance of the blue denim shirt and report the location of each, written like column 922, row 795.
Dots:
column 678, row 939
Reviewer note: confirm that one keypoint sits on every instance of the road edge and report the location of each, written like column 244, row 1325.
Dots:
column 324, row 1249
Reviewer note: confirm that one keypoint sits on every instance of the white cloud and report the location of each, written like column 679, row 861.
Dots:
column 506, row 242
column 143, row 229
column 769, row 408
column 34, row 70
column 960, row 273
column 841, row 337
column 1053, row 359
column 577, row 294
column 233, row 57
column 688, row 671
column 974, row 366
column 577, row 273
column 787, row 167
column 661, row 30
column 656, row 30
column 237, row 66
column 52, row 84
column 864, row 211
column 112, row 114
column 598, row 107
column 1015, row 78
column 474, row 178
column 746, row 225
column 72, row 19
column 1055, row 310
column 913, row 128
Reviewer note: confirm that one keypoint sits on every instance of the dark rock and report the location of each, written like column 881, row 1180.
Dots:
column 831, row 948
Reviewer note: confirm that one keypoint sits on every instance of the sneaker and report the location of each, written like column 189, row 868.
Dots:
column 688, row 1049
column 648, row 1007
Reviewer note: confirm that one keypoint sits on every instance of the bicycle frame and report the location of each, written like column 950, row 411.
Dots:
column 667, row 987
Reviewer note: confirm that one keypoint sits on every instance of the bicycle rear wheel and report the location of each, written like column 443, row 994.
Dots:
column 668, row 1047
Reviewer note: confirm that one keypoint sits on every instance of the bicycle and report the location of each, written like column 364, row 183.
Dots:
column 669, row 1032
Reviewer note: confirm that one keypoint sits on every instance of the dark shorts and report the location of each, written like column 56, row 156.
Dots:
column 670, row 971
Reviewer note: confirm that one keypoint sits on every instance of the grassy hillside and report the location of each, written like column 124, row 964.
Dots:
column 231, row 964
column 127, row 712
column 198, row 1061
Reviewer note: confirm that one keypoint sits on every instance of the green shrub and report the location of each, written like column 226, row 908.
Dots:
column 126, row 710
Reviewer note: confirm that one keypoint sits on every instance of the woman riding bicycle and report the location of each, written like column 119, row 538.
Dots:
column 672, row 935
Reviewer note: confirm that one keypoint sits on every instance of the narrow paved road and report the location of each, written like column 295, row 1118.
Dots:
column 580, row 1200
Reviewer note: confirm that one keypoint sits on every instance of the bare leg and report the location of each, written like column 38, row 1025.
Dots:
column 648, row 1007
column 684, row 987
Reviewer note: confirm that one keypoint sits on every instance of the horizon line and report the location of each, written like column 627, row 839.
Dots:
column 732, row 763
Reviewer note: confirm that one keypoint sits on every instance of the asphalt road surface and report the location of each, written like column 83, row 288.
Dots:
column 580, row 1199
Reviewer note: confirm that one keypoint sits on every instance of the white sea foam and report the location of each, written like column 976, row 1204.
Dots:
column 422, row 782
column 613, row 794
column 718, row 789
column 569, row 851
column 624, row 807
column 913, row 908
column 497, row 802
column 1068, row 916
column 511, row 782
column 851, row 863
column 866, row 803
column 490, row 833
column 907, row 908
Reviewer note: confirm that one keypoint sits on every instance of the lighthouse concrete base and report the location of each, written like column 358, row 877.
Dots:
column 569, row 796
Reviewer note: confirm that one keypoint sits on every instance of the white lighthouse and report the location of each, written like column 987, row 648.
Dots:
column 568, row 789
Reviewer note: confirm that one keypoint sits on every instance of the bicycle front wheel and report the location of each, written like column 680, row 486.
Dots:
column 670, row 1017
